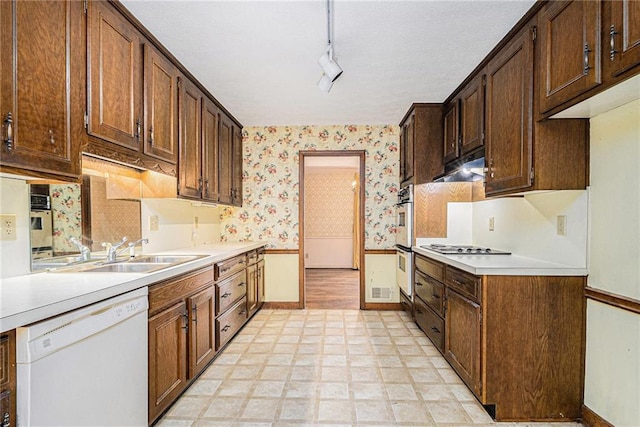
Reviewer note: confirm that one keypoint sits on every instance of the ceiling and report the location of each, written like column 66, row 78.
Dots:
column 259, row 58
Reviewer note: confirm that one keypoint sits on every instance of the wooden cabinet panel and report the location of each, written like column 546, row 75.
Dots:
column 465, row 283
column 421, row 144
column 407, row 148
column 230, row 266
column 236, row 167
column 173, row 290
column 190, row 160
column 430, row 267
column 228, row 323
column 8, row 378
column 161, row 106
column 167, row 357
column 509, row 125
column 570, row 50
column 624, row 37
column 430, row 323
column 115, row 77
column 261, row 281
column 202, row 332
column 462, row 339
column 42, row 78
column 252, row 290
column 225, row 157
column 451, row 133
column 210, row 117
column 430, row 291
column 230, row 290
column 472, row 116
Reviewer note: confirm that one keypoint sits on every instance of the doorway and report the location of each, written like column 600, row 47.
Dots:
column 331, row 216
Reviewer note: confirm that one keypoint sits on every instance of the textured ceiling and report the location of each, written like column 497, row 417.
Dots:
column 259, row 58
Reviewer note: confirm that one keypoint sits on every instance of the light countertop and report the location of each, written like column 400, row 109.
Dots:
column 504, row 265
column 33, row 297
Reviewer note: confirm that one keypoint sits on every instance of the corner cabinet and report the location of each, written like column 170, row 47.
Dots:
column 42, row 90
column 515, row 341
column 570, row 33
column 421, row 144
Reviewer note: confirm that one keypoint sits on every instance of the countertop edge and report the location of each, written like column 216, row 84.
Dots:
column 129, row 282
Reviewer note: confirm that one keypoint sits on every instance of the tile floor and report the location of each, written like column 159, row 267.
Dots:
column 330, row 367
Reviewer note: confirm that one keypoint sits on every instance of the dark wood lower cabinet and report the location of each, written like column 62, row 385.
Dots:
column 202, row 330
column 430, row 323
column 167, row 357
column 8, row 379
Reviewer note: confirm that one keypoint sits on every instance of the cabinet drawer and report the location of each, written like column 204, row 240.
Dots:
column 166, row 293
column 465, row 283
column 255, row 256
column 228, row 323
column 430, row 267
column 230, row 291
column 431, row 291
column 430, row 323
column 230, row 266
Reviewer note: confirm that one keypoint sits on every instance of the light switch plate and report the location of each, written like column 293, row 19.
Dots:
column 561, row 225
column 492, row 223
column 8, row 227
column 154, row 223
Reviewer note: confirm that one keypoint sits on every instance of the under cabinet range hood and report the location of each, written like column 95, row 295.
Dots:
column 466, row 169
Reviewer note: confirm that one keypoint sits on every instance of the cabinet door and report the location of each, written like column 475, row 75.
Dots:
column 236, row 167
column 509, row 125
column 190, row 159
column 472, row 115
column 451, row 133
column 462, row 339
column 8, row 379
column 40, row 85
column 161, row 106
column 167, row 357
column 261, row 282
column 202, row 332
column 225, row 159
column 252, row 289
column 570, row 51
column 115, row 77
column 210, row 117
column 407, row 157
column 624, row 36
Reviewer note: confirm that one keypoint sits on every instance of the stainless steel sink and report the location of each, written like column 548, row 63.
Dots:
column 168, row 259
column 127, row 268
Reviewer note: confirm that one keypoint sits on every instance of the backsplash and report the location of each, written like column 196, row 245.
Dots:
column 270, row 181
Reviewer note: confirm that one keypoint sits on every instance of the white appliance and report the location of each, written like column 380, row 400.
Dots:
column 87, row 367
column 404, row 213
column 404, row 269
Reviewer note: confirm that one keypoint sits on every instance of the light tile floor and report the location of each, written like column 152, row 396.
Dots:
column 330, row 367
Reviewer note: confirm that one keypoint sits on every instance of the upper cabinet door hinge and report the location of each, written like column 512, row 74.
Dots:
column 534, row 33
column 86, row 120
column 531, row 175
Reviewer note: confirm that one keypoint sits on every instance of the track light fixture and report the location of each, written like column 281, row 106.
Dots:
column 330, row 68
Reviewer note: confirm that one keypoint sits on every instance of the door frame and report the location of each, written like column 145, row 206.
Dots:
column 361, row 154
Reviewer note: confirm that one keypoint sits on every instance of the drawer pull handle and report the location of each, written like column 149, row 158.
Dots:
column 225, row 295
column 436, row 330
column 242, row 313
column 138, row 130
column 586, row 52
column 8, row 124
column 226, row 328
column 418, row 311
column 185, row 322
column 612, row 42
column 418, row 284
column 242, row 284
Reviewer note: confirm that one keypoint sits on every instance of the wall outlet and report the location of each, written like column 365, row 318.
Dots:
column 8, row 227
column 154, row 223
column 492, row 223
column 561, row 225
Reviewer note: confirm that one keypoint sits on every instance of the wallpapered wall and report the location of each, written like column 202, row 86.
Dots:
column 270, row 181
column 328, row 202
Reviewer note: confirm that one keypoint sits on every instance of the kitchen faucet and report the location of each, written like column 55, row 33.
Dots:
column 112, row 249
column 85, row 252
column 132, row 245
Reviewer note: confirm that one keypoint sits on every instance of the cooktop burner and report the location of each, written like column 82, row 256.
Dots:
column 463, row 250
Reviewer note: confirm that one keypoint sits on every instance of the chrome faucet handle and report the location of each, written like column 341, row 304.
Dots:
column 132, row 246
column 84, row 250
column 112, row 248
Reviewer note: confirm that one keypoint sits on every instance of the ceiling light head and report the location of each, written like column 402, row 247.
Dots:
column 325, row 83
column 330, row 67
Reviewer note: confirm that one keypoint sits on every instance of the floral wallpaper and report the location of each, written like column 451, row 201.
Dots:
column 66, row 211
column 270, row 181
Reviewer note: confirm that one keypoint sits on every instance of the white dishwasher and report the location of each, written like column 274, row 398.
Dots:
column 87, row 367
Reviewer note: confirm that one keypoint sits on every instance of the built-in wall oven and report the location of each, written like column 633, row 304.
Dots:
column 404, row 240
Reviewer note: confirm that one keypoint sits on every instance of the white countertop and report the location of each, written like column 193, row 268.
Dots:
column 34, row 297
column 504, row 265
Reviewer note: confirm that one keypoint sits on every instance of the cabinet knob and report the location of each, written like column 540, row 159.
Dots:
column 612, row 42
column 8, row 125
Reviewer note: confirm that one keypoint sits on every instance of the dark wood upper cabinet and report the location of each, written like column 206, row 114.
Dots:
column 225, row 157
column 236, row 167
column 161, row 105
column 115, row 77
column 623, row 37
column 421, row 144
column 509, row 125
column 210, row 118
column 570, row 42
column 190, row 182
column 451, row 132
column 472, row 115
column 42, row 53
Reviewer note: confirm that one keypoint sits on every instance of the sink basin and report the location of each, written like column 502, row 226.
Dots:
column 164, row 259
column 127, row 268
